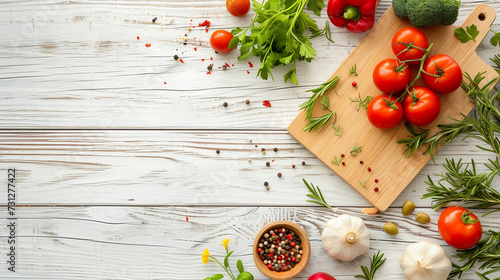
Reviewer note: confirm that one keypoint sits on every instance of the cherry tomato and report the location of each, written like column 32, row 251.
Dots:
column 421, row 106
column 412, row 36
column 391, row 76
column 459, row 228
column 238, row 8
column 219, row 40
column 448, row 74
column 381, row 115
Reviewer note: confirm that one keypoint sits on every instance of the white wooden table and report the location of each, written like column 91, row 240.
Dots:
column 114, row 145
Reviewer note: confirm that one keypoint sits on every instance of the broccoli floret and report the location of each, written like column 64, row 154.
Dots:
column 399, row 8
column 427, row 12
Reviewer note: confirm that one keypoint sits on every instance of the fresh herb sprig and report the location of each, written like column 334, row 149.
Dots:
column 414, row 142
column 375, row 263
column 495, row 40
column 279, row 34
column 467, row 34
column 362, row 102
column 335, row 160
column 319, row 122
column 496, row 60
column 338, row 130
column 353, row 70
column 486, row 251
column 308, row 106
column 315, row 194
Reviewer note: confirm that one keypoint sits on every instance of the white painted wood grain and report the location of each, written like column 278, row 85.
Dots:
column 78, row 64
column 158, row 243
column 148, row 167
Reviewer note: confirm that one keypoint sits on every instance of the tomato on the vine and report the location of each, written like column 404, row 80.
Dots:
column 459, row 227
column 219, row 40
column 411, row 36
column 442, row 74
column 421, row 105
column 382, row 113
column 391, row 76
column 238, row 8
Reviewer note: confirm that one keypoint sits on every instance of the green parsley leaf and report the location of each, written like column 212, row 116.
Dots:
column 470, row 33
column 495, row 40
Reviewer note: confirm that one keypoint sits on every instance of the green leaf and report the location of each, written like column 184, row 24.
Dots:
column 287, row 59
column 226, row 259
column 245, row 276
column 239, row 265
column 208, row 278
column 465, row 36
column 216, row 277
column 290, row 75
column 233, row 44
column 495, row 40
column 316, row 6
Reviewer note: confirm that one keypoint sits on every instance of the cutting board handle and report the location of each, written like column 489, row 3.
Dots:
column 483, row 17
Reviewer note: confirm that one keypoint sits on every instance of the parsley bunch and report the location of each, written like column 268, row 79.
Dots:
column 280, row 33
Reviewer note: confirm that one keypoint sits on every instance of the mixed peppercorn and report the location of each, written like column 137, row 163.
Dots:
column 280, row 249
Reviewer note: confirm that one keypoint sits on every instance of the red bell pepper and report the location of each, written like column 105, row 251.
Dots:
column 355, row 15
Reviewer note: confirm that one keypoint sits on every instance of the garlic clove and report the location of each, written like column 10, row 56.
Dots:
column 425, row 261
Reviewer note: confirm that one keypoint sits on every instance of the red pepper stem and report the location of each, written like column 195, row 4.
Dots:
column 351, row 13
column 466, row 219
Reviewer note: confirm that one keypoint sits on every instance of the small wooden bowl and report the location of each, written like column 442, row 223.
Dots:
column 304, row 241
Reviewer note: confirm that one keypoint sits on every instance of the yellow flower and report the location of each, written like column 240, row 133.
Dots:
column 224, row 243
column 204, row 256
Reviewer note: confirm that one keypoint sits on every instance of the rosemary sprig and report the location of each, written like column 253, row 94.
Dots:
column 375, row 263
column 319, row 122
column 353, row 70
column 363, row 183
column 465, row 185
column 338, row 130
column 356, row 150
column 317, row 92
column 315, row 194
column 486, row 251
column 414, row 142
column 496, row 60
column 336, row 160
column 362, row 103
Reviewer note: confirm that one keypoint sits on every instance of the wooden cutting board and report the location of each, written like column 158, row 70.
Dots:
column 380, row 152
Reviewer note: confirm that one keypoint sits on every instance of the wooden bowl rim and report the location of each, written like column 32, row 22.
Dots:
column 306, row 247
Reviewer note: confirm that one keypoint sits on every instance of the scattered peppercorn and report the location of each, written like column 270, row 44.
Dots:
column 154, row 19
column 266, row 184
column 249, row 160
column 342, row 155
column 279, row 174
column 343, row 163
column 225, row 104
column 250, row 141
column 293, row 166
column 375, row 189
column 275, row 149
column 354, row 84
column 361, row 162
column 376, row 180
column 369, row 169
column 263, row 149
column 176, row 57
column 268, row 163
column 224, row 67
column 247, row 101
column 148, row 45
column 263, row 152
column 209, row 67
column 185, row 43
column 267, row 187
column 217, row 151
column 303, row 163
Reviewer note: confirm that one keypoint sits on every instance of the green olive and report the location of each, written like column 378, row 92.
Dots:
column 408, row 208
column 422, row 218
column 391, row 228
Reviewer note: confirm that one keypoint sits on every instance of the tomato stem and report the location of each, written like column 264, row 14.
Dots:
column 466, row 218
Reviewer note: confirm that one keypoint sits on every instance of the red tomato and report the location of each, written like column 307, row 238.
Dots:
column 412, row 36
column 321, row 276
column 220, row 41
column 381, row 115
column 448, row 73
column 238, row 8
column 391, row 76
column 421, row 106
column 458, row 229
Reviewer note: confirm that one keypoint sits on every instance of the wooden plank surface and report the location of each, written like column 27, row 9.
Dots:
column 384, row 159
column 158, row 243
column 183, row 168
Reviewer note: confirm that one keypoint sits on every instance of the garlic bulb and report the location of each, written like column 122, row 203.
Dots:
column 345, row 237
column 425, row 261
